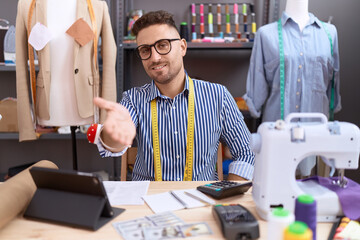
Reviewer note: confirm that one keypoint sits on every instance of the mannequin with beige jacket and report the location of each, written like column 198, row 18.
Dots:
column 68, row 77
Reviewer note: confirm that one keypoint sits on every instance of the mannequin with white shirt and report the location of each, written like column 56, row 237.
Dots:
column 298, row 11
column 65, row 36
column 63, row 108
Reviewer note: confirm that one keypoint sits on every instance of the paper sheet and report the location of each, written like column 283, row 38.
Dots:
column 40, row 35
column 126, row 193
column 172, row 201
column 190, row 202
column 351, row 231
column 200, row 196
column 162, row 202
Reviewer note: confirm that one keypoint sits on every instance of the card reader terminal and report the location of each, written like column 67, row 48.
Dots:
column 236, row 222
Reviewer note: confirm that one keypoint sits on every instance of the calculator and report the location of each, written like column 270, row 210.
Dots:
column 223, row 189
column 236, row 222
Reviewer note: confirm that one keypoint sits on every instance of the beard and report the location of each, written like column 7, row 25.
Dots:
column 164, row 76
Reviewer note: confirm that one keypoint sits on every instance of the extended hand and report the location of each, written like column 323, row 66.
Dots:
column 118, row 129
column 234, row 177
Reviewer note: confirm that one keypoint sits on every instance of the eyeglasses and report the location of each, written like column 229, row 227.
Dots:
column 162, row 47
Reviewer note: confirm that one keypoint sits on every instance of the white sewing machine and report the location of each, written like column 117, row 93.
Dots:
column 280, row 146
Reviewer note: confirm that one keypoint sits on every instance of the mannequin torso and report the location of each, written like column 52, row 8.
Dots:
column 298, row 11
column 309, row 67
column 63, row 106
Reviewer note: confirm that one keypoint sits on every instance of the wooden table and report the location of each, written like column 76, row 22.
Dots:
column 24, row 229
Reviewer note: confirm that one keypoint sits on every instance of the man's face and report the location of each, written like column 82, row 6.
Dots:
column 162, row 68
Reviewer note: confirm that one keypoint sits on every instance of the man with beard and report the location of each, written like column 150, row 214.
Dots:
column 178, row 121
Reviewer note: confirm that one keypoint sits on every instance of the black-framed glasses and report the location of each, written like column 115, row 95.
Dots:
column 162, row 47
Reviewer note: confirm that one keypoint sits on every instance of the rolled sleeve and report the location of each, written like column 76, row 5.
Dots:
column 237, row 138
column 252, row 109
column 256, row 85
column 242, row 169
column 106, row 153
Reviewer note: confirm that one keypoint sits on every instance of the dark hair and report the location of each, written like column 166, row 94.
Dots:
column 152, row 18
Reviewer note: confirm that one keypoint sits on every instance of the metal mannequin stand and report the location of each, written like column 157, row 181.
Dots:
column 74, row 150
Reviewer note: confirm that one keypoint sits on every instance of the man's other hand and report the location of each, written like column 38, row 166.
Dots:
column 234, row 177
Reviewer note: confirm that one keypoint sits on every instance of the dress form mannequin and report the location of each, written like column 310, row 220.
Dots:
column 68, row 75
column 63, row 108
column 311, row 65
column 298, row 11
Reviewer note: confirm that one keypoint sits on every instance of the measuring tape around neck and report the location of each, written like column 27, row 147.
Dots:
column 31, row 49
column 282, row 72
column 190, row 137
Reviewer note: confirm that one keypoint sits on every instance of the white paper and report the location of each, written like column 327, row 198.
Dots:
column 351, row 231
column 189, row 201
column 162, row 202
column 40, row 35
column 126, row 193
column 200, row 196
column 171, row 201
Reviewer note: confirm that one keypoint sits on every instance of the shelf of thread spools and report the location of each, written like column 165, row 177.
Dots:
column 203, row 45
column 215, row 26
column 221, row 23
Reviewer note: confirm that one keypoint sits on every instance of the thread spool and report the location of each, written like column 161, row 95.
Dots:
column 298, row 231
column 194, row 36
column 279, row 219
column 305, row 211
column 184, row 31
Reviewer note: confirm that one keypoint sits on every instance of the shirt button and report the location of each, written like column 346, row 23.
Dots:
column 300, row 66
column 174, row 107
column 301, row 54
column 178, row 179
column 76, row 71
column 177, row 156
column 299, row 80
column 297, row 93
column 297, row 106
column 176, row 132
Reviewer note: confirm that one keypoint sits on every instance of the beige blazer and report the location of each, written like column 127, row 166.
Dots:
column 86, row 77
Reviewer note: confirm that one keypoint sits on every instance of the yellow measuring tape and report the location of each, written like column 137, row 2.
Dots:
column 190, row 137
column 31, row 49
column 156, row 145
column 93, row 22
column 190, row 134
column 31, row 57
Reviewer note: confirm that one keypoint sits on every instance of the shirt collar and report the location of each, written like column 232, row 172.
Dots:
column 312, row 19
column 155, row 92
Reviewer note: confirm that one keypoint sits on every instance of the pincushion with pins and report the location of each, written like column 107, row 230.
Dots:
column 93, row 133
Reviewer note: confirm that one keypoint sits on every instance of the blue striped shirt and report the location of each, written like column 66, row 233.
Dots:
column 216, row 117
column 309, row 67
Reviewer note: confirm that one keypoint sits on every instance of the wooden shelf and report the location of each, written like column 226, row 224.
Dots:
column 45, row 136
column 4, row 68
column 12, row 68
